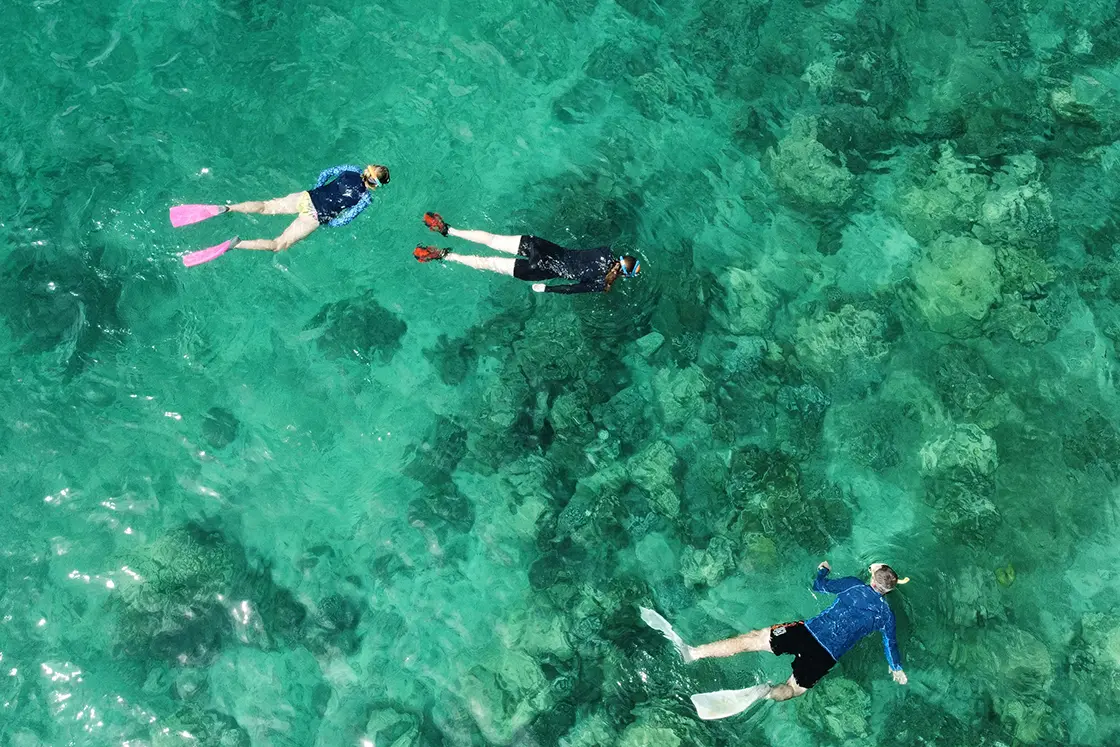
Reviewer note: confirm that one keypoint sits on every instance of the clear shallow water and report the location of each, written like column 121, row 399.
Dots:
column 335, row 495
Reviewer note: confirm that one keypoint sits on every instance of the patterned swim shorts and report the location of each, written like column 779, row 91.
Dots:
column 306, row 208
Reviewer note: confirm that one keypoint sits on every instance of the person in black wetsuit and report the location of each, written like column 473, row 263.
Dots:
column 339, row 196
column 593, row 270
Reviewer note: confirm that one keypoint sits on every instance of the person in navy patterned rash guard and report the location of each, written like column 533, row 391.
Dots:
column 816, row 644
column 339, row 196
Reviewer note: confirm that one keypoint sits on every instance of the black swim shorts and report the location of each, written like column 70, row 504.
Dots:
column 539, row 257
column 812, row 659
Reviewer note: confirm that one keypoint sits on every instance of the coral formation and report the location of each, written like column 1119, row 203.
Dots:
column 178, row 597
column 219, row 427
column 1095, row 658
column 65, row 304
column 709, row 566
column 169, row 592
column 959, row 465
column 747, row 304
column 946, row 195
column 837, row 708
column 680, row 395
column 359, row 327
column 808, row 171
column 849, row 342
column 653, row 470
column 392, row 729
column 956, row 283
column 1022, row 665
column 277, row 695
column 768, row 496
column 193, row 726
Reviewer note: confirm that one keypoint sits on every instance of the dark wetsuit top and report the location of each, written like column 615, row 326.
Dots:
column 542, row 260
column 342, row 200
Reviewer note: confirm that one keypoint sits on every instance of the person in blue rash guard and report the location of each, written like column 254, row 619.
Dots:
column 816, row 644
column 339, row 196
column 534, row 260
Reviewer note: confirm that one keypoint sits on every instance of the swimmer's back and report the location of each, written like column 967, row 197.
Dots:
column 334, row 198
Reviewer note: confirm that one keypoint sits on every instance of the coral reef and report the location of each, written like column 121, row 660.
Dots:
column 946, row 195
column 767, row 495
column 357, row 327
column 849, row 342
column 392, row 729
column 956, row 283
column 807, row 171
column 680, row 395
column 59, row 303
column 276, row 695
column 838, row 709
column 747, row 304
column 709, row 566
column 1022, row 665
column 1094, row 660
column 653, row 470
column 179, row 596
column 193, row 726
column 169, row 592
column 958, row 466
column 332, row 496
column 220, row 427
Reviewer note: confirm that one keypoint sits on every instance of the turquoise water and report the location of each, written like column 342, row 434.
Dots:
column 334, row 496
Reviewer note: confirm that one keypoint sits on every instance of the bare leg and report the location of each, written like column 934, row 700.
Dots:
column 786, row 690
column 288, row 205
column 756, row 640
column 300, row 229
column 507, row 244
column 501, row 265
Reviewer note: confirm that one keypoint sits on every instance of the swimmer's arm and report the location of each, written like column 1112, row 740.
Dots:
column 823, row 584
column 890, row 646
column 585, row 286
column 351, row 213
column 333, row 172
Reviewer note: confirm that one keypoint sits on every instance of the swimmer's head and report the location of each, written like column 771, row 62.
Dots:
column 375, row 175
column 884, row 579
column 626, row 266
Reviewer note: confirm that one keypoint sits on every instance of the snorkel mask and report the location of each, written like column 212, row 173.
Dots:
column 371, row 176
column 632, row 273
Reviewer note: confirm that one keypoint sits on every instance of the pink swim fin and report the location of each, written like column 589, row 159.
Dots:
column 205, row 255
column 184, row 215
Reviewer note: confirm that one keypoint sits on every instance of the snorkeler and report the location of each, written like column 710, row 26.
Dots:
column 338, row 197
column 816, row 644
column 594, row 270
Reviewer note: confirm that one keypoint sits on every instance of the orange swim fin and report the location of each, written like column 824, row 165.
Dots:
column 436, row 223
column 429, row 253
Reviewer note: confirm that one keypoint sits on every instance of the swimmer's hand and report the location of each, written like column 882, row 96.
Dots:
column 539, row 287
column 899, row 676
column 824, row 564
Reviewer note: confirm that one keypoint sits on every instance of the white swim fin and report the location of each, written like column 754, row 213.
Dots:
column 724, row 703
column 662, row 626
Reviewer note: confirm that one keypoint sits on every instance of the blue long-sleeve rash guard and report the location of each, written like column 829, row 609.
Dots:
column 343, row 199
column 858, row 611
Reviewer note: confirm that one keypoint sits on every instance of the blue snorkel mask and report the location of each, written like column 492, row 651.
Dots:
column 632, row 273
